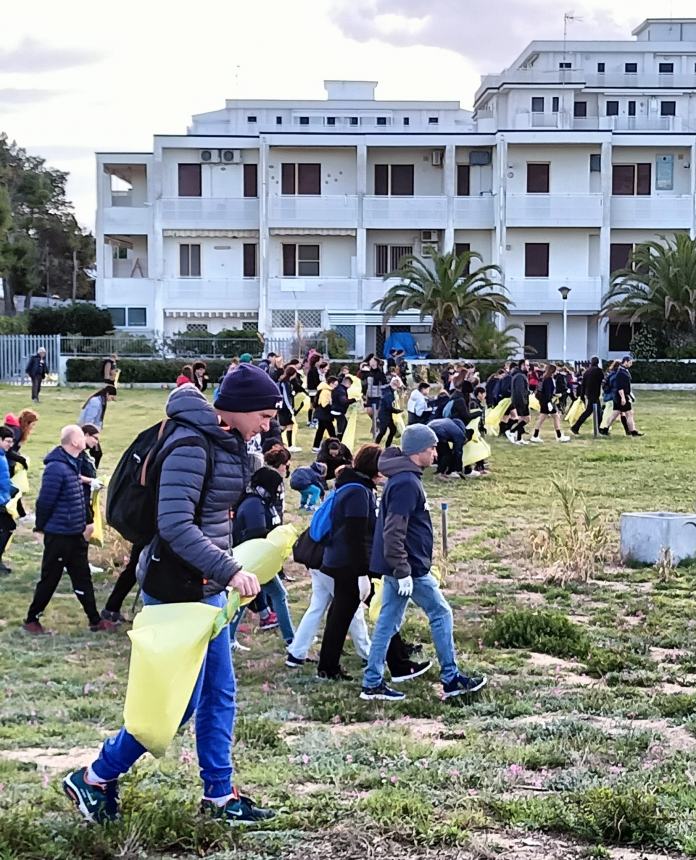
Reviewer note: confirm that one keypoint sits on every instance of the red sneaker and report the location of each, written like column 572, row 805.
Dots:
column 269, row 622
column 104, row 626
column 35, row 628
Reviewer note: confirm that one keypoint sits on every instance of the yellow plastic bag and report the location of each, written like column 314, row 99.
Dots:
column 495, row 415
column 575, row 411
column 97, row 537
column 476, row 449
column 534, row 404
column 11, row 506
column 117, row 375
column 21, row 478
column 376, row 602
column 606, row 414
column 169, row 644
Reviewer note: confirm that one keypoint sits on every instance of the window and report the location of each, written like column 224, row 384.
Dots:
column 666, row 68
column 601, row 68
column 565, row 65
column 407, row 120
column 621, row 335
column 120, row 252
column 395, row 179
column 619, row 256
column 595, row 163
column 304, row 120
column 631, row 108
column 580, row 109
column 197, row 327
column 388, row 257
column 250, row 180
column 631, row 68
column 536, row 260
column 537, row 104
column 300, row 178
column 249, row 260
column 279, row 120
column 612, row 108
column 463, row 185
column 433, row 120
column 189, row 180
column 463, row 248
column 331, row 120
column 668, row 108
column 309, row 319
column 381, row 120
column 250, row 325
column 302, row 260
column 664, row 172
column 190, row 261
column 118, row 316
column 354, row 120
column 137, row 317
column 251, row 119
column 347, row 332
column 555, row 104
column 630, row 179
column 538, row 178
column 283, row 318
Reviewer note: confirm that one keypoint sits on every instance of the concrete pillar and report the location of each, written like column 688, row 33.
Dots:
column 449, row 187
column 360, row 240
column 692, row 231
column 264, row 310
column 500, row 214
column 605, row 242
column 155, row 244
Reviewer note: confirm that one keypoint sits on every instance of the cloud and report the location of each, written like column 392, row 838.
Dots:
column 490, row 34
column 31, row 57
column 11, row 97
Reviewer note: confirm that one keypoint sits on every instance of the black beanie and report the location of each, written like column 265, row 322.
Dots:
column 248, row 389
column 268, row 480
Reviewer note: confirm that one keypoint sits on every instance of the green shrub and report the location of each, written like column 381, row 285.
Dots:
column 138, row 370
column 14, row 325
column 537, row 630
column 259, row 733
column 611, row 659
column 336, row 346
column 663, row 371
column 676, row 705
column 77, row 318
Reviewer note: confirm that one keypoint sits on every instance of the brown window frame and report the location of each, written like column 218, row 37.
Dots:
column 250, row 180
column 463, row 180
column 249, row 259
column 300, row 178
column 536, row 267
column 636, row 181
column 385, row 180
column 189, row 260
column 189, row 180
column 293, row 262
column 539, row 175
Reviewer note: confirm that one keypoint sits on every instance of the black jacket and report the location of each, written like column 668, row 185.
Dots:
column 592, row 383
column 350, row 543
column 36, row 367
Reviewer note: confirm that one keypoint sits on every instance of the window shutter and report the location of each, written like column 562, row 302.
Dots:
column 189, row 180
column 381, row 259
column 184, row 269
column 251, row 180
column 381, row 179
column 536, row 260
column 463, row 248
column 287, row 178
column 537, row 178
column 643, row 179
column 289, row 260
column 195, row 261
column 249, row 263
column 402, row 180
column 463, row 183
column 623, row 179
column 619, row 256
column 309, row 178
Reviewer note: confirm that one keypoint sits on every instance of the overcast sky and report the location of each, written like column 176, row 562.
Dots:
column 82, row 76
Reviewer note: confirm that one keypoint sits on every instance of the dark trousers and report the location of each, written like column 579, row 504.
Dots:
column 324, row 427
column 67, row 552
column 587, row 413
column 36, row 386
column 444, row 458
column 385, row 426
column 341, row 424
column 125, row 581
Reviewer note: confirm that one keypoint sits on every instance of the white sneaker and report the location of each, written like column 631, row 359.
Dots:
column 524, row 442
column 511, row 437
column 563, row 438
column 537, row 439
column 474, row 473
column 237, row 646
column 293, row 449
column 94, row 569
column 316, row 450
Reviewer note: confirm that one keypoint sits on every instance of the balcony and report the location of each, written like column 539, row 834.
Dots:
column 126, row 291
column 529, row 77
column 474, row 213
column 374, row 290
column 315, row 293
column 331, row 210
column 392, row 213
column 121, row 218
column 209, row 213
column 203, row 294
column 647, row 124
column 554, row 210
column 652, row 212
column 644, row 81
column 540, row 295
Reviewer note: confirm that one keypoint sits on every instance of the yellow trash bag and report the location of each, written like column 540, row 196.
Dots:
column 169, row 643
column 117, row 376
column 576, row 409
column 376, row 602
column 534, row 404
column 476, row 448
column 11, row 507
column 97, row 538
column 606, row 414
column 495, row 415
column 20, row 478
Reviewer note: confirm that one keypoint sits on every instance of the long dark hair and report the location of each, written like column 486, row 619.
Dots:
column 550, row 370
column 288, row 373
column 103, row 393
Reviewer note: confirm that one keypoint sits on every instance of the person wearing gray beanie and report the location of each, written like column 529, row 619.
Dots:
column 417, row 438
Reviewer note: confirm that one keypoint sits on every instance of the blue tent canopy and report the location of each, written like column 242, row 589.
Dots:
column 402, row 340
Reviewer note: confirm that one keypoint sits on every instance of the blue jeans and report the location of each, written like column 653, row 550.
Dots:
column 427, row 595
column 310, row 496
column 275, row 590
column 213, row 700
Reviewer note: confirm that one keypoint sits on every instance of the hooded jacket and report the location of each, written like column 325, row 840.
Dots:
column 353, row 519
column 322, row 410
column 204, row 547
column 519, row 389
column 403, row 542
column 448, row 430
column 308, row 476
column 60, row 506
column 339, row 400
column 5, row 483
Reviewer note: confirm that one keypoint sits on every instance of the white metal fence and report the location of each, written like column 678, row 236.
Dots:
column 17, row 349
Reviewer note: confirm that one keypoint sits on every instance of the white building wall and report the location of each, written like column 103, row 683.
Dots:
column 427, row 179
column 568, row 252
column 569, row 167
column 336, row 254
column 338, row 167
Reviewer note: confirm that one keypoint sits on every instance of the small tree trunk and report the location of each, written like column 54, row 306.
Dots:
column 8, row 297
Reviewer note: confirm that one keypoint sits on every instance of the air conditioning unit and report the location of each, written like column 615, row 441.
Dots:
column 210, row 156
column 436, row 157
column 231, row 156
column 429, row 248
column 430, row 236
column 479, row 157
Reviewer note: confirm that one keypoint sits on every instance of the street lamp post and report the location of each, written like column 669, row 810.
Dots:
column 564, row 291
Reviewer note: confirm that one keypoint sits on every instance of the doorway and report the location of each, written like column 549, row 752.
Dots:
column 536, row 338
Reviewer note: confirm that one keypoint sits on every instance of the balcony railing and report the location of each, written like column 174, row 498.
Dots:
column 330, row 210
column 333, row 293
column 210, row 294
column 554, row 210
column 130, row 220
column 417, row 212
column 534, row 295
column 209, row 213
column 474, row 213
column 652, row 211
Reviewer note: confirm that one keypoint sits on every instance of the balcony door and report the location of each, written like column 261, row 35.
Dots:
column 536, row 341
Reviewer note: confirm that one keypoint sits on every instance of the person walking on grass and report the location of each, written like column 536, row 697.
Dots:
column 519, row 393
column 623, row 399
column 286, row 413
column 61, row 516
column 340, row 403
column 37, row 371
column 322, row 412
column 190, row 558
column 591, row 385
column 7, row 491
column 402, row 553
column 389, row 408
column 546, row 391
column 418, row 408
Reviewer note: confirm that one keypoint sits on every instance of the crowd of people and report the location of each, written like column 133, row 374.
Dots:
column 221, row 481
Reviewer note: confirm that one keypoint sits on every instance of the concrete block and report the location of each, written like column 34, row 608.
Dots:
column 644, row 535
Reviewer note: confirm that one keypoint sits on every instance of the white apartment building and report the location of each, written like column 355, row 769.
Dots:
column 270, row 213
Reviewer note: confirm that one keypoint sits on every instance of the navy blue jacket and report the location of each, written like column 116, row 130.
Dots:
column 353, row 518
column 387, row 409
column 339, row 400
column 36, row 367
column 254, row 518
column 448, row 430
column 60, row 506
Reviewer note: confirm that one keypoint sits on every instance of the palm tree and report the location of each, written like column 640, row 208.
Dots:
column 658, row 287
column 486, row 340
column 446, row 288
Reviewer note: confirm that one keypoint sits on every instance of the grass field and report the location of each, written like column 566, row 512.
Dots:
column 583, row 746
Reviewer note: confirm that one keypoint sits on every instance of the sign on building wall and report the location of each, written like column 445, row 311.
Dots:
column 664, row 173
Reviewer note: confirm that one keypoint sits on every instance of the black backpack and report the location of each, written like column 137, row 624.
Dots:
column 131, row 504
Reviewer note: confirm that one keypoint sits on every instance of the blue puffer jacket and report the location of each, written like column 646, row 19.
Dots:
column 5, row 483
column 205, row 546
column 60, row 506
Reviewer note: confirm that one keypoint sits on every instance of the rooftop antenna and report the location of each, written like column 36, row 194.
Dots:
column 567, row 16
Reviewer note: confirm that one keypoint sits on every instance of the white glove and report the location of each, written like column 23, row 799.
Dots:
column 364, row 587
column 405, row 586
column 95, row 484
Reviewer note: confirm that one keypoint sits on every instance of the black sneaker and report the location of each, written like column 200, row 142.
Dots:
column 113, row 617
column 603, row 431
column 574, row 431
column 411, row 649
column 463, row 685
column 4, row 569
column 636, row 433
column 410, row 670
column 293, row 662
column 238, row 810
column 95, row 803
column 340, row 675
column 381, row 693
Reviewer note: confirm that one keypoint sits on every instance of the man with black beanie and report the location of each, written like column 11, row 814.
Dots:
column 592, row 380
